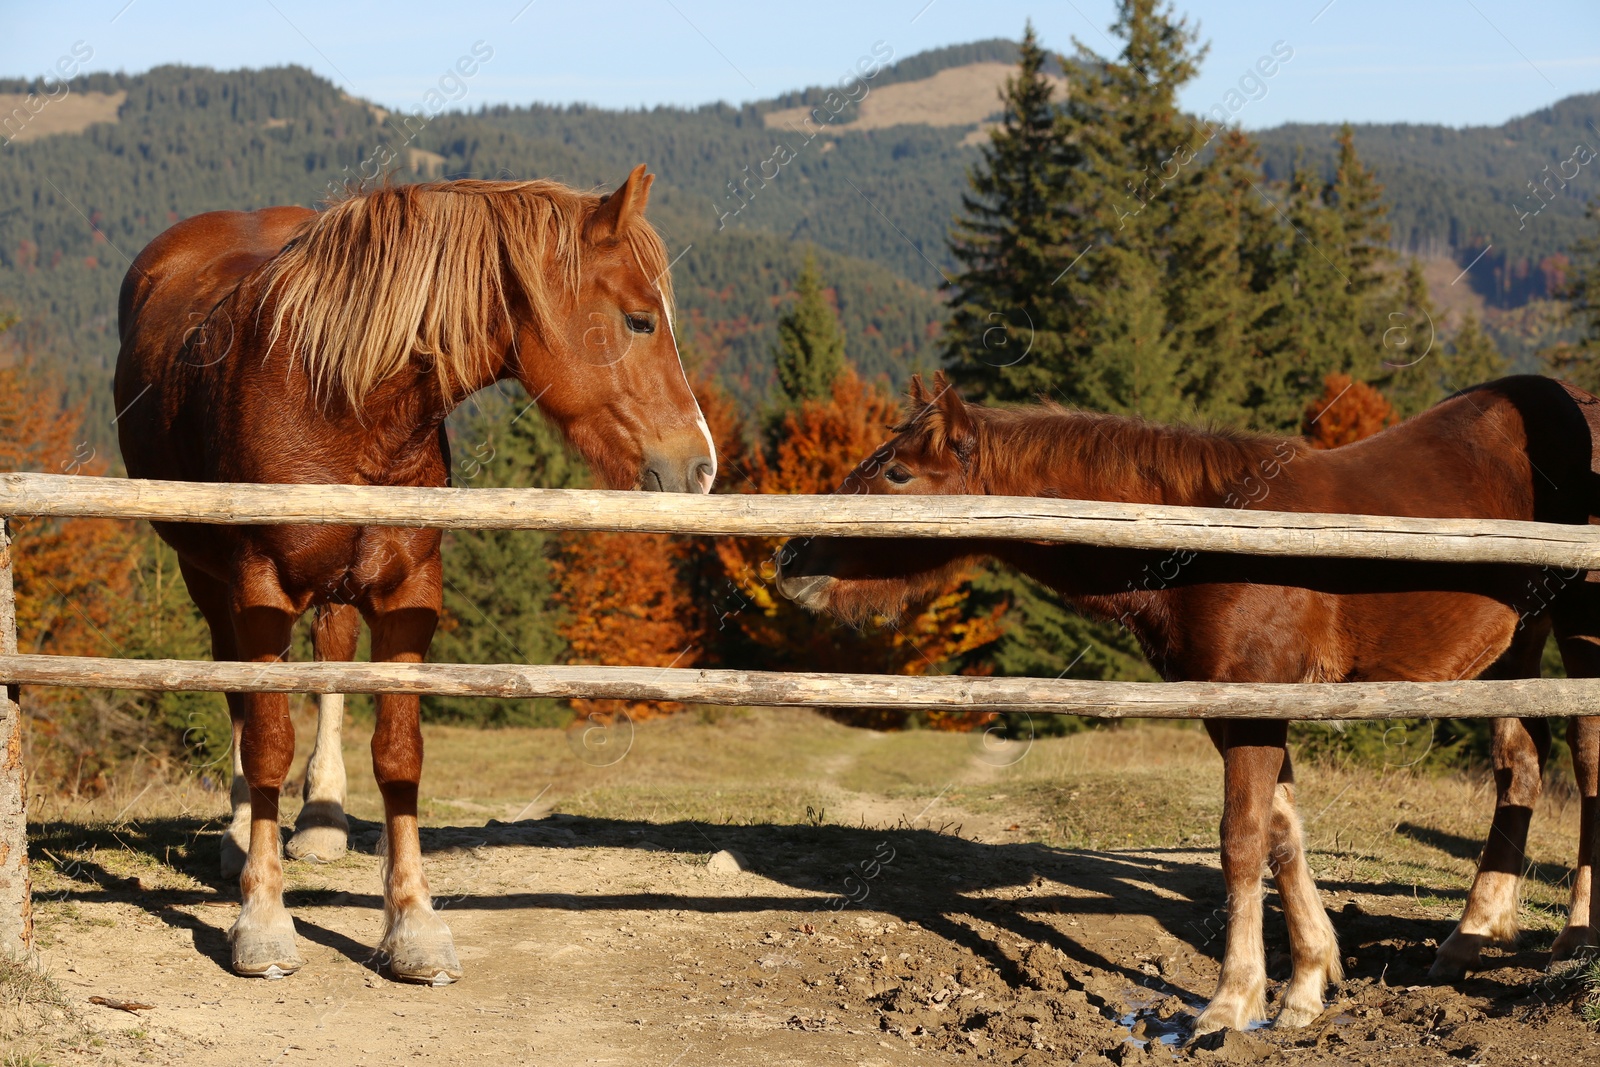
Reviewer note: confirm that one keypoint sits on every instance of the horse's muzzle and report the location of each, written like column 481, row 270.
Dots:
column 693, row 475
column 810, row 591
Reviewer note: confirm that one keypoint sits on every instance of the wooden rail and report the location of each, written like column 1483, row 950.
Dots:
column 1525, row 697
column 1147, row 526
column 1129, row 526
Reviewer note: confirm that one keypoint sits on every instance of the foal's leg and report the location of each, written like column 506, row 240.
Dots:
column 211, row 597
column 416, row 943
column 1490, row 915
column 321, row 832
column 1253, row 758
column 1581, row 655
column 1312, row 943
column 263, row 936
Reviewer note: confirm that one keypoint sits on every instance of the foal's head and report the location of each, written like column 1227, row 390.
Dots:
column 934, row 452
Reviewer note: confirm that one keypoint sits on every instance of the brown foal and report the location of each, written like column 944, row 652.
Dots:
column 285, row 345
column 1519, row 448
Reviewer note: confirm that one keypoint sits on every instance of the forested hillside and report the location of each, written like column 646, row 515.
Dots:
column 877, row 203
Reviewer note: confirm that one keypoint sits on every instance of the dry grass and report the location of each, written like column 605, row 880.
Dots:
column 1140, row 786
column 957, row 96
column 72, row 113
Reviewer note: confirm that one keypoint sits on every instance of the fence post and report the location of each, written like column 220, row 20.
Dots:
column 16, row 895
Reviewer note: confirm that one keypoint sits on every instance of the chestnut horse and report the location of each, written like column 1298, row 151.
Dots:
column 1519, row 448
column 286, row 346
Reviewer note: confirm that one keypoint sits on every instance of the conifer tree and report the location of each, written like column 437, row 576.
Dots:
column 999, row 343
column 1412, row 370
column 1579, row 361
column 498, row 589
column 1471, row 358
column 810, row 352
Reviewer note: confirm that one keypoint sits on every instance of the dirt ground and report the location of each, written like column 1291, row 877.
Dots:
column 771, row 888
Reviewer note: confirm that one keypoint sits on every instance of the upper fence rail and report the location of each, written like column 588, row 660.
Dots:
column 1088, row 522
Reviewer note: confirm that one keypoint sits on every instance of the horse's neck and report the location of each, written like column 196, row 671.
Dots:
column 1095, row 458
column 1080, row 456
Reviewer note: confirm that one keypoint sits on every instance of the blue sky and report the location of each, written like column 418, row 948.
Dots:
column 1460, row 62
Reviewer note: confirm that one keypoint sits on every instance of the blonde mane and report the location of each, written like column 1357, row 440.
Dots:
column 432, row 269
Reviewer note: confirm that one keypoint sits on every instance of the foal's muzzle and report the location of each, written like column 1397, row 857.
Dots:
column 810, row 591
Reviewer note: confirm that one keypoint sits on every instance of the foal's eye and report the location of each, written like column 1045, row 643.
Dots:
column 897, row 475
column 642, row 323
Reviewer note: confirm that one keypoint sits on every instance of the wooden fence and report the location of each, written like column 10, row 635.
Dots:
column 1016, row 518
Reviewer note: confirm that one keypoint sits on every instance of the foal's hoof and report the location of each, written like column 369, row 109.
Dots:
column 429, row 959
column 1572, row 942
column 321, row 833
column 264, row 953
column 1459, row 952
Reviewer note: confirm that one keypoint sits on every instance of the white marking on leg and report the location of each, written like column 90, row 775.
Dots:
column 1313, row 945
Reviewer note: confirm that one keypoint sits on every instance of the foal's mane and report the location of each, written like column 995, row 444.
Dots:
column 433, row 269
column 1111, row 457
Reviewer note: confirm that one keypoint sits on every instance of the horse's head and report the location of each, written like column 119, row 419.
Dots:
column 613, row 381
column 931, row 454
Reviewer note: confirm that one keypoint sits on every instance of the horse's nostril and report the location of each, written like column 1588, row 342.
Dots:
column 701, row 474
column 651, row 482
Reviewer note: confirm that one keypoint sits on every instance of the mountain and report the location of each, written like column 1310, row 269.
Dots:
column 870, row 171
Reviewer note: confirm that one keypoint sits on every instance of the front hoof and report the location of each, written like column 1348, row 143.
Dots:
column 321, row 833
column 1295, row 1014
column 268, row 953
column 1225, row 1015
column 1459, row 952
column 1572, row 942
column 428, row 959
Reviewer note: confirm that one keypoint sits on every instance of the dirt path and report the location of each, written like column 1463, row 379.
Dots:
column 608, row 942
column 899, row 902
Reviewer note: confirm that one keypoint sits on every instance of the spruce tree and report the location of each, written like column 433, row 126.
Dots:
column 810, row 352
column 1579, row 361
column 999, row 343
column 497, row 589
column 1412, row 372
column 1471, row 358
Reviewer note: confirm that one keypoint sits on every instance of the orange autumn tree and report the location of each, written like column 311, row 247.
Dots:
column 73, row 577
column 811, row 449
column 1346, row 412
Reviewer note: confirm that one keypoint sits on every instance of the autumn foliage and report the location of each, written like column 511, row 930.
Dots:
column 72, row 577
column 812, row 449
column 1346, row 412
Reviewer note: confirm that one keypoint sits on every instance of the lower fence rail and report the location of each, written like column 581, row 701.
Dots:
column 1513, row 698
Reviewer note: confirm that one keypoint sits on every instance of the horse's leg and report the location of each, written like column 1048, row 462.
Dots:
column 1312, row 942
column 263, row 936
column 321, row 832
column 416, row 943
column 1520, row 747
column 1253, row 755
column 1578, row 631
column 1490, row 914
column 1583, row 736
column 211, row 597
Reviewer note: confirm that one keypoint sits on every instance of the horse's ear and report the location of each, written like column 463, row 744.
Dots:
column 919, row 392
column 955, row 419
column 619, row 210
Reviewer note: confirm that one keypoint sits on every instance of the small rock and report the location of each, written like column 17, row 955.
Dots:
column 725, row 862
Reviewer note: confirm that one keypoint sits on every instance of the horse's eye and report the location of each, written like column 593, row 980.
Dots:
column 898, row 475
column 642, row 323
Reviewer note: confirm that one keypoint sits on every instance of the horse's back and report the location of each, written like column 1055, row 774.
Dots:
column 167, row 295
column 1517, row 448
